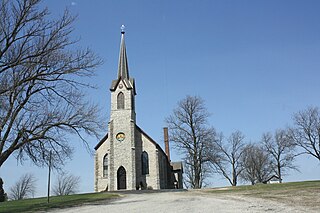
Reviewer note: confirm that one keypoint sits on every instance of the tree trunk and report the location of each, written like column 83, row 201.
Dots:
column 197, row 176
column 279, row 173
column 234, row 175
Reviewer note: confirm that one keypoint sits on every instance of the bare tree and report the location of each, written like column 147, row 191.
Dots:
column 281, row 150
column 2, row 193
column 227, row 159
column 23, row 188
column 192, row 136
column 306, row 131
column 256, row 163
column 66, row 184
column 41, row 84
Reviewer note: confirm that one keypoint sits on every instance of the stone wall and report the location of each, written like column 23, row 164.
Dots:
column 101, row 182
column 151, row 179
column 127, row 153
column 120, row 153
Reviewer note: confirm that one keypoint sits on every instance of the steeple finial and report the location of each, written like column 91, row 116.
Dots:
column 123, row 70
column 122, row 29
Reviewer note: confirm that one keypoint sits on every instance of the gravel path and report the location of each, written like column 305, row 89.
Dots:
column 185, row 201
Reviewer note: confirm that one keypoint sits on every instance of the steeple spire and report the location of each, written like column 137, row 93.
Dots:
column 123, row 70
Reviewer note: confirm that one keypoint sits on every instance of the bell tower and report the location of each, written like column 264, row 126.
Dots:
column 122, row 167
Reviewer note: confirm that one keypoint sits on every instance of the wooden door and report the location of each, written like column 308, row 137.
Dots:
column 121, row 178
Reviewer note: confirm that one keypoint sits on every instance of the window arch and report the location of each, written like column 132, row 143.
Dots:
column 105, row 166
column 145, row 163
column 120, row 101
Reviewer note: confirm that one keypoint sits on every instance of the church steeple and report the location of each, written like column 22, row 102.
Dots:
column 123, row 70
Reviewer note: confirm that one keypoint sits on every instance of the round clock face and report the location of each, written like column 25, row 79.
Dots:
column 120, row 136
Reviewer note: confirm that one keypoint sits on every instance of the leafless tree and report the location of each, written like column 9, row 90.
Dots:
column 2, row 193
column 306, row 131
column 281, row 150
column 23, row 188
column 256, row 163
column 227, row 159
column 189, row 130
column 41, row 84
column 66, row 184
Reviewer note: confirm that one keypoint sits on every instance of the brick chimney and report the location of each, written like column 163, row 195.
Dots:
column 166, row 142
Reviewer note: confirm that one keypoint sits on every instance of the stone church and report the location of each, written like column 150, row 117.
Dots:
column 126, row 157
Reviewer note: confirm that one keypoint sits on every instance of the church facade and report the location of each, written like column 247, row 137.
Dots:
column 126, row 157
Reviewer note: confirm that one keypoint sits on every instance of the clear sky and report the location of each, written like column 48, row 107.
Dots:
column 254, row 63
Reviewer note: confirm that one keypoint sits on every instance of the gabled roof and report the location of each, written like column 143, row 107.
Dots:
column 101, row 142
column 139, row 129
column 176, row 166
column 273, row 178
column 152, row 141
column 128, row 83
column 147, row 136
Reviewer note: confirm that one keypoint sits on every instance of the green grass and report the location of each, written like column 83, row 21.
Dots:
column 57, row 202
column 295, row 193
column 305, row 193
column 271, row 188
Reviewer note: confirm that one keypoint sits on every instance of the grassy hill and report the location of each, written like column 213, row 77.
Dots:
column 40, row 204
column 306, row 193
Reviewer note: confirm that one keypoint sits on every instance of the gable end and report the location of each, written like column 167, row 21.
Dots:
column 101, row 142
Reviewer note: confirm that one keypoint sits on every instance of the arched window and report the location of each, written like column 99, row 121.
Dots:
column 145, row 163
column 105, row 166
column 120, row 101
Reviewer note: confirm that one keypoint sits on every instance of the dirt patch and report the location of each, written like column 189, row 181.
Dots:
column 187, row 201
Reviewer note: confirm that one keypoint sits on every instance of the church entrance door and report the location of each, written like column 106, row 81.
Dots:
column 121, row 178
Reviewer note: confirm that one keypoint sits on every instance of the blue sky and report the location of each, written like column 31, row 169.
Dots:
column 254, row 62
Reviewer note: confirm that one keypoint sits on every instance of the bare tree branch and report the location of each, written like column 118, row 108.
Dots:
column 41, row 84
column 192, row 136
column 305, row 132
column 66, row 184
column 281, row 150
column 23, row 188
column 227, row 158
column 256, row 164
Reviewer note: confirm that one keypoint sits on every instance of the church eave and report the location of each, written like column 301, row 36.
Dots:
column 114, row 84
column 129, row 84
column 132, row 82
column 101, row 142
column 177, row 166
column 152, row 141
